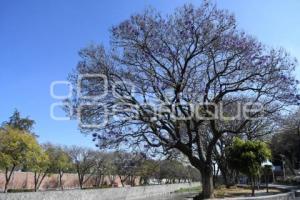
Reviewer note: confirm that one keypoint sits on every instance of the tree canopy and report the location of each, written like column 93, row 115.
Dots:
column 285, row 144
column 16, row 150
column 165, row 79
column 21, row 123
column 59, row 161
column 247, row 157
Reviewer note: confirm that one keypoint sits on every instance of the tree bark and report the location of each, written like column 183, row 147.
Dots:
column 253, row 186
column 35, row 181
column 267, row 181
column 207, row 183
column 5, row 187
column 81, row 183
column 122, row 181
column 258, row 182
column 8, row 174
column 41, row 181
column 6, row 180
column 60, row 180
column 80, row 179
column 38, row 180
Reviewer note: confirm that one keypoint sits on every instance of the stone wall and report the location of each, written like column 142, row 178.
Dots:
column 25, row 180
column 127, row 193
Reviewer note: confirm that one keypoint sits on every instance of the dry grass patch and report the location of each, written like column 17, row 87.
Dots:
column 223, row 192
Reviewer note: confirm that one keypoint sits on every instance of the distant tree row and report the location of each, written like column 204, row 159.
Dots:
column 19, row 150
column 285, row 144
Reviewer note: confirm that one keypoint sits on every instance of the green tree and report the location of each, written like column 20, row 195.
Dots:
column 171, row 170
column 59, row 161
column 247, row 157
column 21, row 123
column 39, row 163
column 16, row 149
column 193, row 174
column 147, row 170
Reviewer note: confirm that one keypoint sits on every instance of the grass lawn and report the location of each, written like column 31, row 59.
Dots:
column 189, row 190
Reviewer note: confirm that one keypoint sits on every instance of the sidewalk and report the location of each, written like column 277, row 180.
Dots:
column 287, row 187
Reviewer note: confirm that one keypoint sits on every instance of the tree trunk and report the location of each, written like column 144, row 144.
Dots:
column 81, row 183
column 60, row 180
column 5, row 187
column 207, row 181
column 38, row 180
column 253, row 186
column 102, row 180
column 80, row 179
column 215, row 174
column 132, row 181
column 41, row 181
column 35, row 181
column 267, row 182
column 257, row 184
column 122, row 181
column 142, row 181
column 6, row 180
column 8, row 174
column 207, row 184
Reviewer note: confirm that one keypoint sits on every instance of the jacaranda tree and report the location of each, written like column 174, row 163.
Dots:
column 165, row 80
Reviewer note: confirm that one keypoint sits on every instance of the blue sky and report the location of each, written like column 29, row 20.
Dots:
column 39, row 42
